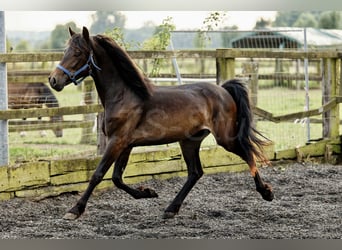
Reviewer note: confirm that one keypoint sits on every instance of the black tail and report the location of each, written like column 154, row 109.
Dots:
column 248, row 142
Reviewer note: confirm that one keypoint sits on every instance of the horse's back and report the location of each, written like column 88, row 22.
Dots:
column 30, row 95
column 195, row 92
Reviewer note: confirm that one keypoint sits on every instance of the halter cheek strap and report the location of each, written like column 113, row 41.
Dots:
column 73, row 76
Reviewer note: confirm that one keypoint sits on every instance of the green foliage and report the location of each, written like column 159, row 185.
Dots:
column 159, row 41
column 213, row 20
column 330, row 20
column 161, row 37
column 326, row 19
column 209, row 24
column 60, row 35
column 22, row 46
column 262, row 23
column 107, row 20
column 306, row 19
column 118, row 36
column 286, row 18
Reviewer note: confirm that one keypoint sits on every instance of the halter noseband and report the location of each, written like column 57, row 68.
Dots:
column 73, row 76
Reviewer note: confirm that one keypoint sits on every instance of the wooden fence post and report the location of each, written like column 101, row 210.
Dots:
column 225, row 66
column 250, row 70
column 88, row 90
column 330, row 88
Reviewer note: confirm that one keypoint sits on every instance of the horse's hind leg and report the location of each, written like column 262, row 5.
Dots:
column 119, row 167
column 263, row 188
column 190, row 150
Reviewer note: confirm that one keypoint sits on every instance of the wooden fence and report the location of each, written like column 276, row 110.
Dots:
column 58, row 178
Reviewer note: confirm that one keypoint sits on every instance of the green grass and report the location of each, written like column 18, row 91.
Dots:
column 280, row 101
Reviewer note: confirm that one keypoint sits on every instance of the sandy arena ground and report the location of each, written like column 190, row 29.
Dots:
column 308, row 204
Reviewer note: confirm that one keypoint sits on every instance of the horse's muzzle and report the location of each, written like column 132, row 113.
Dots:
column 54, row 84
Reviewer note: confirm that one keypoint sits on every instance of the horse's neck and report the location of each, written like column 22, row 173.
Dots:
column 109, row 87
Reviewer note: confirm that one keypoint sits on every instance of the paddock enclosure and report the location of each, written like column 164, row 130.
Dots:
column 49, row 166
column 221, row 206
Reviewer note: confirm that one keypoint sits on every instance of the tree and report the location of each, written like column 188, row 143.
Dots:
column 60, row 35
column 286, row 18
column 212, row 21
column 326, row 20
column 107, row 20
column 306, row 19
column 330, row 20
column 118, row 36
column 22, row 46
column 160, row 41
column 262, row 23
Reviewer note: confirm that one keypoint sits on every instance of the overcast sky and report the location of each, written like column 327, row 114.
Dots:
column 47, row 20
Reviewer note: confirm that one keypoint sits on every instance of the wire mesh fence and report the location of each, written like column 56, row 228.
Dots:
column 268, row 38
column 277, row 85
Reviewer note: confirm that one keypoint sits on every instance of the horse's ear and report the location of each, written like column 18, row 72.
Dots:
column 85, row 34
column 71, row 32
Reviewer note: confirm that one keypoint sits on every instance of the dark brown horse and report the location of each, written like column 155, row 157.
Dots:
column 139, row 114
column 33, row 95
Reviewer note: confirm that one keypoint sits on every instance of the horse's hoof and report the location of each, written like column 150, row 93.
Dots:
column 168, row 215
column 70, row 216
column 151, row 193
column 267, row 193
column 147, row 193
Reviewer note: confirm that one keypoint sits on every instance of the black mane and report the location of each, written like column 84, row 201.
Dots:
column 126, row 68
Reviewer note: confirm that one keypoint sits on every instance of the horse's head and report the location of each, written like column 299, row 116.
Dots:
column 76, row 63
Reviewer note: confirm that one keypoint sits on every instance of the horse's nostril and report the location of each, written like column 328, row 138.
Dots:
column 52, row 81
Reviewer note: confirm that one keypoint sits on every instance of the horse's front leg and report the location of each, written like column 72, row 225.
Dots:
column 111, row 153
column 119, row 168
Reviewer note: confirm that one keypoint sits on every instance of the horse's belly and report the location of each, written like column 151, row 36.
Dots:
column 166, row 132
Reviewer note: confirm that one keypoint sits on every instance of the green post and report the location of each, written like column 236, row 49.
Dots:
column 331, row 85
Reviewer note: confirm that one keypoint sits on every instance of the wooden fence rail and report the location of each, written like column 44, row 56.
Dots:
column 47, row 112
column 219, row 53
column 19, row 126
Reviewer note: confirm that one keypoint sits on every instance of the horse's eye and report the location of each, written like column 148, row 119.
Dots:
column 77, row 52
